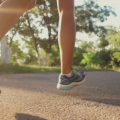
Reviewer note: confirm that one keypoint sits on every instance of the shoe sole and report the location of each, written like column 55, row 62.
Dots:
column 70, row 86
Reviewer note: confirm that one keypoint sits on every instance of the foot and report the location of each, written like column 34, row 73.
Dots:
column 67, row 83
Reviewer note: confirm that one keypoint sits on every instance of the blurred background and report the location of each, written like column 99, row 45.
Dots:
column 33, row 39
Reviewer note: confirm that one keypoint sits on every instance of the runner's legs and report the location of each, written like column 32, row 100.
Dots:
column 10, row 11
column 66, row 34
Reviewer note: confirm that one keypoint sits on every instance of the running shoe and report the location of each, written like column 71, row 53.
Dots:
column 67, row 83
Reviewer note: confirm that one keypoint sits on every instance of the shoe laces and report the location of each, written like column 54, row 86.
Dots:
column 77, row 73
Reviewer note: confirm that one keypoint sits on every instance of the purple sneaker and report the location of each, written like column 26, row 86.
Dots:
column 67, row 83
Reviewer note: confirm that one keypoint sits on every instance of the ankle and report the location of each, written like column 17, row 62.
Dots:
column 68, row 74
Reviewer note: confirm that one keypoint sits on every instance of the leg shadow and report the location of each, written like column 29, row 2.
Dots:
column 114, row 102
column 22, row 116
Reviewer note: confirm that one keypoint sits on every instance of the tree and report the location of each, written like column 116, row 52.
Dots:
column 104, row 55
column 46, row 16
column 54, row 57
column 88, row 14
column 91, row 58
column 13, row 31
column 103, row 42
column 113, row 37
column 84, row 47
column 117, row 56
column 17, row 53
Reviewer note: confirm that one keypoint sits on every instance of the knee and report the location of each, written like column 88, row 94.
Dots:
column 65, row 6
column 32, row 3
column 27, row 4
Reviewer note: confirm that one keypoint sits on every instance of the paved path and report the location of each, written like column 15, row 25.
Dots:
column 35, row 97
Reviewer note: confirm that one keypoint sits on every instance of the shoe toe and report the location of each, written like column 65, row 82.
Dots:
column 82, row 73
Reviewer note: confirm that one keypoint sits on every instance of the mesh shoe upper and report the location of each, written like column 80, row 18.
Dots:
column 76, row 77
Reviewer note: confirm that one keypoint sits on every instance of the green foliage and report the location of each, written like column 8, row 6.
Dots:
column 104, row 57
column 117, row 56
column 54, row 57
column 30, row 57
column 89, row 13
column 113, row 37
column 45, row 15
column 90, row 58
column 87, row 46
column 84, row 47
column 103, row 42
column 78, row 55
column 15, row 68
column 17, row 53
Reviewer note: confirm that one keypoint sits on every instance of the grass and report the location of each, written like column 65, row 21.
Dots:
column 9, row 69
column 15, row 68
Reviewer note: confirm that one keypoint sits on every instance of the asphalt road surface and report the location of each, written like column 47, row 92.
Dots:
column 35, row 97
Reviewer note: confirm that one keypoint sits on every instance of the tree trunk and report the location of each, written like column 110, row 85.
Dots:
column 38, row 58
column 11, row 40
column 43, row 60
column 5, row 52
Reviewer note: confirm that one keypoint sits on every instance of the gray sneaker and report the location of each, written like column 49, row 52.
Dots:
column 67, row 83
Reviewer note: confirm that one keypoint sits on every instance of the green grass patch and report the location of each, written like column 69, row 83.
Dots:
column 10, row 69
column 92, row 69
column 15, row 68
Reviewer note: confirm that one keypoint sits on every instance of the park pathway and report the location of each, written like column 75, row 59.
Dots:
column 35, row 97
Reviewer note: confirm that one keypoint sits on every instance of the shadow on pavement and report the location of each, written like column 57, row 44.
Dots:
column 113, row 102
column 22, row 116
column 97, row 96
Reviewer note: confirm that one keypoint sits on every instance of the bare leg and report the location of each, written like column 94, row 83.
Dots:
column 10, row 11
column 66, row 33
